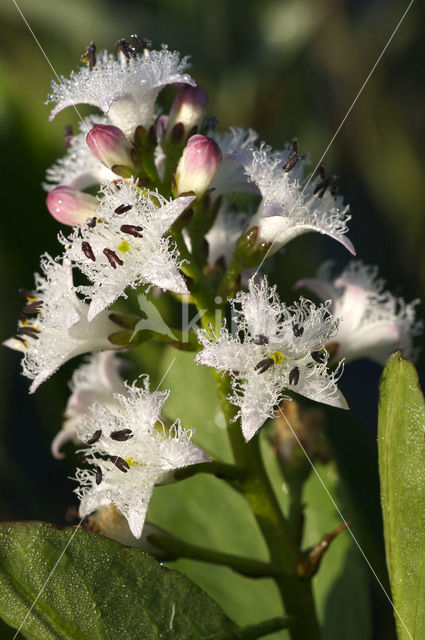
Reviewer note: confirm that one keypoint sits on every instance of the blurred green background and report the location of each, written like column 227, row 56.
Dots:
column 286, row 68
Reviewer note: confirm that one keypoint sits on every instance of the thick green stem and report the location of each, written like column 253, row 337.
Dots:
column 180, row 549
column 285, row 555
column 222, row 470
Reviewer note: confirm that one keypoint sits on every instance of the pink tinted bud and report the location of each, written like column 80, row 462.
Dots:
column 71, row 206
column 111, row 146
column 198, row 165
column 189, row 108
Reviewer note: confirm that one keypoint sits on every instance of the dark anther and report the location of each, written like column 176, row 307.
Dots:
column 263, row 365
column 294, row 375
column 324, row 181
column 260, row 339
column 141, row 42
column 24, row 342
column 92, row 222
column 88, row 251
column 68, row 135
column 126, row 48
column 90, row 55
column 98, row 475
column 333, row 187
column 29, row 295
column 318, row 356
column 132, row 229
column 122, row 435
column 298, row 331
column 120, row 463
column 291, row 161
column 95, row 437
column 29, row 331
column 113, row 258
column 33, row 307
column 123, row 208
column 293, row 157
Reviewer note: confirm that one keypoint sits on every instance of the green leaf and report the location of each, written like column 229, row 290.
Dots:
column 99, row 590
column 401, row 446
column 343, row 575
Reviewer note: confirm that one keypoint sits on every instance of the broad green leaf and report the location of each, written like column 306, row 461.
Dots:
column 99, row 590
column 341, row 586
column 401, row 445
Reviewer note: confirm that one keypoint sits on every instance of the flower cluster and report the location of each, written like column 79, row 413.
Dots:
column 165, row 216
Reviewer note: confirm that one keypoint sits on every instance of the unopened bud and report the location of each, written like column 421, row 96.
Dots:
column 198, row 165
column 112, row 147
column 71, row 206
column 187, row 109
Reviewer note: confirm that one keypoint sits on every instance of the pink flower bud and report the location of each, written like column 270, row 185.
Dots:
column 111, row 146
column 71, row 206
column 188, row 108
column 198, row 165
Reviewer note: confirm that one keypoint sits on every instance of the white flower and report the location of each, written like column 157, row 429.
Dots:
column 96, row 380
column 124, row 89
column 373, row 322
column 228, row 226
column 131, row 453
column 125, row 245
column 55, row 328
column 79, row 168
column 289, row 206
column 282, row 348
column 237, row 147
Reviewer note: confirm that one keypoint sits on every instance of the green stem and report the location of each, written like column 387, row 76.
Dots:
column 296, row 509
column 285, row 556
column 180, row 549
column 254, row 631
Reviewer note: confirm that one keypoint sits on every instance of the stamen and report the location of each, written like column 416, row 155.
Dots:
column 90, row 55
column 132, row 229
column 123, row 208
column 120, row 463
column 324, row 182
column 68, row 135
column 92, row 222
column 29, row 295
column 293, row 157
column 294, row 376
column 141, row 42
column 260, row 339
column 318, row 356
column 24, row 342
column 95, row 437
column 122, row 435
column 33, row 307
column 263, row 365
column 126, row 48
column 98, row 475
column 29, row 331
column 298, row 331
column 112, row 258
column 334, row 184
column 88, row 251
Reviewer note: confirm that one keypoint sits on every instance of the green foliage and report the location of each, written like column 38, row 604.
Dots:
column 205, row 511
column 99, row 590
column 402, row 471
